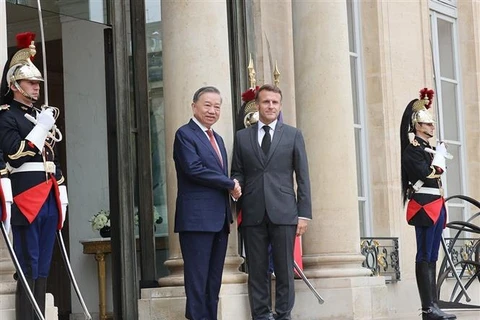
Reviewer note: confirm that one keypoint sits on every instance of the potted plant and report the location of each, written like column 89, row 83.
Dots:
column 101, row 222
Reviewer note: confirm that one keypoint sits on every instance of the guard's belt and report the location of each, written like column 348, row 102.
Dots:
column 48, row 167
column 426, row 190
column 418, row 185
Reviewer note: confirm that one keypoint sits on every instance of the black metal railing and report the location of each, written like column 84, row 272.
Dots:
column 381, row 257
column 464, row 250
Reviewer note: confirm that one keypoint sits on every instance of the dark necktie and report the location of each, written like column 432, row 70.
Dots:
column 267, row 140
column 214, row 145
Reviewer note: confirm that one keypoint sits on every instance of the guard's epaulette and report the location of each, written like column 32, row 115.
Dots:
column 415, row 143
column 4, row 107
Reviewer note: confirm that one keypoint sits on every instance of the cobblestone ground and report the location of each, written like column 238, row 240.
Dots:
column 461, row 315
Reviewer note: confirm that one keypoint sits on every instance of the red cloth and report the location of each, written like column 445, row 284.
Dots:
column 214, row 145
column 297, row 253
column 297, row 249
column 31, row 201
column 3, row 205
column 239, row 218
column 432, row 209
column 59, row 203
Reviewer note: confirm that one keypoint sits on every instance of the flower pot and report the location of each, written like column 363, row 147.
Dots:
column 105, row 232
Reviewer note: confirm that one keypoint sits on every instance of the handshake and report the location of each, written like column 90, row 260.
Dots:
column 236, row 192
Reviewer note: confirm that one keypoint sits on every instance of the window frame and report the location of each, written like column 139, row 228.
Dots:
column 445, row 12
column 366, row 229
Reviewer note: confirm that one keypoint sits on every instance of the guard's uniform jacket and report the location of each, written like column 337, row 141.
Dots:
column 425, row 189
column 33, row 174
column 3, row 174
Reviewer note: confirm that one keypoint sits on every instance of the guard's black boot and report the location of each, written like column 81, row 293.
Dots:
column 39, row 293
column 23, row 306
column 433, row 281
column 424, row 283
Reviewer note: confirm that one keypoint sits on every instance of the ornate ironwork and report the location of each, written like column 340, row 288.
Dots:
column 464, row 250
column 381, row 257
column 461, row 261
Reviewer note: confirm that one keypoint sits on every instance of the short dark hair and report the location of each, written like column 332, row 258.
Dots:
column 203, row 90
column 268, row 87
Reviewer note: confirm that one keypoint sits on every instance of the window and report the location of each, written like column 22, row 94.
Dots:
column 448, row 101
column 359, row 122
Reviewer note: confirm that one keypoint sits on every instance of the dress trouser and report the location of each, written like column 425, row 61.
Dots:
column 33, row 245
column 257, row 239
column 204, row 257
column 428, row 244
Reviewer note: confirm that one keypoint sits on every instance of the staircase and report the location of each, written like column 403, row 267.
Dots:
column 8, row 286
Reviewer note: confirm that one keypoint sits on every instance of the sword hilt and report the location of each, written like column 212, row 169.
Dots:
column 55, row 134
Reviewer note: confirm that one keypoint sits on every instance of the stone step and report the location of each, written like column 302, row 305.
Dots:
column 7, row 314
column 7, row 287
column 6, row 270
column 7, row 307
column 7, row 301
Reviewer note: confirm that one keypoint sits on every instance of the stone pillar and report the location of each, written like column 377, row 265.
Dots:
column 331, row 246
column 195, row 54
column 325, row 114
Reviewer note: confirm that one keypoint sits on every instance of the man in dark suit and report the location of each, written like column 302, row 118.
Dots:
column 266, row 157
column 203, row 216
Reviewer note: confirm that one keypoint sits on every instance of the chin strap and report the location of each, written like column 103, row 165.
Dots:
column 25, row 94
column 428, row 134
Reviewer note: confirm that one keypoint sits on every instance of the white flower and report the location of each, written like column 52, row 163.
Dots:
column 100, row 219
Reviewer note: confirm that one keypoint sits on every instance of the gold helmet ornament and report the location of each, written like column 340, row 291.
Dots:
column 248, row 113
column 21, row 66
column 420, row 112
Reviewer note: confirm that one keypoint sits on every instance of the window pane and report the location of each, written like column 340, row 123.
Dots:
column 153, row 37
column 93, row 10
column 358, row 154
column 157, row 121
column 453, row 172
column 445, row 43
column 353, row 76
column 351, row 26
column 449, row 111
column 455, row 214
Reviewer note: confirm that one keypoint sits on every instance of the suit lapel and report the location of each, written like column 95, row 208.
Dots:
column 223, row 151
column 204, row 139
column 276, row 139
column 254, row 142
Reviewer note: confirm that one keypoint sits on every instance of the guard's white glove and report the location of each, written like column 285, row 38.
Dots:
column 440, row 154
column 64, row 201
column 45, row 121
column 7, row 194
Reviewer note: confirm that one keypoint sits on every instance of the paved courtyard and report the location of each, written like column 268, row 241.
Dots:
column 461, row 315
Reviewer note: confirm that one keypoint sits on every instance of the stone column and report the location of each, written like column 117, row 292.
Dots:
column 325, row 114
column 331, row 246
column 195, row 54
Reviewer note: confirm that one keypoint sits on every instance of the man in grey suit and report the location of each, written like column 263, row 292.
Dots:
column 266, row 157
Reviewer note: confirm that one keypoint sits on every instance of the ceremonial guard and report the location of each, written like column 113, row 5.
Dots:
column 27, row 139
column 422, row 169
column 6, row 197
